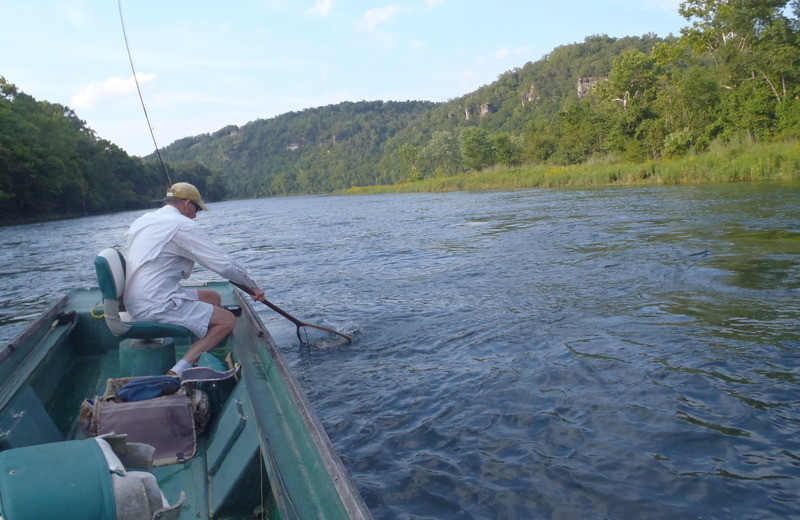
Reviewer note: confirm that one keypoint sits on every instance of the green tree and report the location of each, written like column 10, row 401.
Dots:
column 788, row 112
column 634, row 82
column 540, row 142
column 755, row 47
column 633, row 78
column 441, row 156
column 401, row 164
column 690, row 107
column 508, row 148
column 476, row 148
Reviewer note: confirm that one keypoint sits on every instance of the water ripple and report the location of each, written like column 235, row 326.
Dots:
column 595, row 353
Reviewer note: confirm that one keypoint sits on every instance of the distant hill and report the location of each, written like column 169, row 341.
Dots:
column 532, row 94
column 312, row 151
column 733, row 74
column 337, row 146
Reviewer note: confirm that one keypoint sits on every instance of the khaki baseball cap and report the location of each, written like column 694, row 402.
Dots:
column 184, row 190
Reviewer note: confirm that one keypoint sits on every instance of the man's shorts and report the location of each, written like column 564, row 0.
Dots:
column 185, row 312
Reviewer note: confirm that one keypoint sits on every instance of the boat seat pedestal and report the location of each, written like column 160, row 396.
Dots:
column 147, row 348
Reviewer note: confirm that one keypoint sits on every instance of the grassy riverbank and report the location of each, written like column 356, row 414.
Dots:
column 721, row 163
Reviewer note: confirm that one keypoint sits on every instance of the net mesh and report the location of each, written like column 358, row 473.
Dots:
column 319, row 338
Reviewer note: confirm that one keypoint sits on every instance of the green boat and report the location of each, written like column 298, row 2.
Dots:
column 253, row 448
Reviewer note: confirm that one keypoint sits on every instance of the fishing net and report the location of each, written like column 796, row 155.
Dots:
column 320, row 337
column 309, row 335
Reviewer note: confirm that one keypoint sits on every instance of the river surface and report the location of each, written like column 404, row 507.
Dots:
column 584, row 353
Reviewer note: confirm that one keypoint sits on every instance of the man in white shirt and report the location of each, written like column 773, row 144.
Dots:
column 163, row 247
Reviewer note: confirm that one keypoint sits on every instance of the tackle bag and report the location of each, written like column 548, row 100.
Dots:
column 169, row 423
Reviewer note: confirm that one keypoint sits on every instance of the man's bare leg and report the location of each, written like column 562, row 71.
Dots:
column 221, row 324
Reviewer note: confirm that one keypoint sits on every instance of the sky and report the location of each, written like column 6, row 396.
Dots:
column 203, row 65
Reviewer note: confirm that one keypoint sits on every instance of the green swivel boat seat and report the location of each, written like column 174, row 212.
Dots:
column 147, row 348
column 78, row 479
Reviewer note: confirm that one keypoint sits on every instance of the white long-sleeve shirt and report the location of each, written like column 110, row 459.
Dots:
column 163, row 247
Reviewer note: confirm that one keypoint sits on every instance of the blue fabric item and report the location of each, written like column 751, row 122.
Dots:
column 149, row 387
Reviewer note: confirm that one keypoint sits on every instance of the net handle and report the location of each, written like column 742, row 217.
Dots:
column 299, row 324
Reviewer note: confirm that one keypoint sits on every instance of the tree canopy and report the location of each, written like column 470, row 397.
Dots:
column 53, row 165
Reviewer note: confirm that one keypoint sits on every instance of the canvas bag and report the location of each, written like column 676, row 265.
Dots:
column 170, row 423
column 166, row 423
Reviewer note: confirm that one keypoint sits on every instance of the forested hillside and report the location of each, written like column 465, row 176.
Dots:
column 338, row 146
column 53, row 165
column 313, row 151
column 733, row 73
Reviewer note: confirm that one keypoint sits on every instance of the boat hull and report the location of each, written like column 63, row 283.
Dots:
column 264, row 452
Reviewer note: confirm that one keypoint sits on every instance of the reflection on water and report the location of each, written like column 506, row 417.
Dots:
column 603, row 353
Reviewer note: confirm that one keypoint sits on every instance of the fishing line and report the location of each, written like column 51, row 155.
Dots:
column 139, row 90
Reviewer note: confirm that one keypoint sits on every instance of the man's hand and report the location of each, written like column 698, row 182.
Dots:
column 258, row 295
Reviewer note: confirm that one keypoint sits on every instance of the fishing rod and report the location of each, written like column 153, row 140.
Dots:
column 139, row 90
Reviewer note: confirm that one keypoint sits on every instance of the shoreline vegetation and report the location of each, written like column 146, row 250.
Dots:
column 743, row 161
column 721, row 163
column 766, row 162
